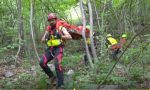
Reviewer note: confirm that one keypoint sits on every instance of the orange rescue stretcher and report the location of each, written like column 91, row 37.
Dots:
column 75, row 31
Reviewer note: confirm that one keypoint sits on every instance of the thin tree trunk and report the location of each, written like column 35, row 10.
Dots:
column 98, row 24
column 91, row 32
column 83, row 34
column 102, row 30
column 97, row 17
column 21, row 32
column 32, row 28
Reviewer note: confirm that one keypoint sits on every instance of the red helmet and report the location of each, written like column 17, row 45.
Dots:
column 51, row 16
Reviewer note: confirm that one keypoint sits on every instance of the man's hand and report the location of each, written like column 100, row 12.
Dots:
column 47, row 36
column 66, row 34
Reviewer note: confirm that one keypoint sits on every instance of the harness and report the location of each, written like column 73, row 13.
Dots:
column 54, row 38
column 55, row 42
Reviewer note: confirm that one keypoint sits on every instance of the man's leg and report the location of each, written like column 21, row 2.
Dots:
column 58, row 67
column 43, row 63
column 114, row 54
column 85, row 59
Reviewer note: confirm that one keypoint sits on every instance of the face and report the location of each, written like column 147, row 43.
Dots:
column 52, row 22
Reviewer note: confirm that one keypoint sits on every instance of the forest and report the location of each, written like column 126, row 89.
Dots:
column 23, row 24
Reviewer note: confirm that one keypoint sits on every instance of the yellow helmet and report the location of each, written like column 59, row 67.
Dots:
column 109, row 35
column 124, row 35
column 88, row 27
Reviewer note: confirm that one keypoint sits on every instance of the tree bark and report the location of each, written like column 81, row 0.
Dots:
column 91, row 32
column 83, row 34
column 21, row 31
column 32, row 28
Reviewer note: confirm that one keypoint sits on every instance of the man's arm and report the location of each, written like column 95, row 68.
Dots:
column 44, row 36
column 65, row 35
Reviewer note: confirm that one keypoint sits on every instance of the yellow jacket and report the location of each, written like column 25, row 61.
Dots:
column 112, row 41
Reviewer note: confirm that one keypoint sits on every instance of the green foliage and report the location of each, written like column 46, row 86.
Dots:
column 7, row 84
column 117, row 3
column 112, row 79
column 41, row 82
column 115, row 16
column 136, row 73
column 71, row 61
column 23, row 82
column 118, row 80
column 136, row 54
column 26, row 64
column 8, row 47
column 131, row 55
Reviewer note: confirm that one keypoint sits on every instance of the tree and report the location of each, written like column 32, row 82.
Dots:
column 21, row 30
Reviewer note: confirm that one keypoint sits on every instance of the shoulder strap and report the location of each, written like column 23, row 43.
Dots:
column 60, row 24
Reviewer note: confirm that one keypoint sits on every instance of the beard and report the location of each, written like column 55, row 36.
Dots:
column 52, row 24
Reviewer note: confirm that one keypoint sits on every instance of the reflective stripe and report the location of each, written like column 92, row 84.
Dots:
column 54, row 42
column 59, row 58
column 45, row 60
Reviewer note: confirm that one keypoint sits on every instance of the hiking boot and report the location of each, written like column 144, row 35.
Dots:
column 53, row 80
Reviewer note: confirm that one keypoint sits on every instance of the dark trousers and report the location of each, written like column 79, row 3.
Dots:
column 115, row 53
column 86, row 57
column 55, row 53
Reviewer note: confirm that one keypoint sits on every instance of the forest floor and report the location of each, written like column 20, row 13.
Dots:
column 28, row 75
